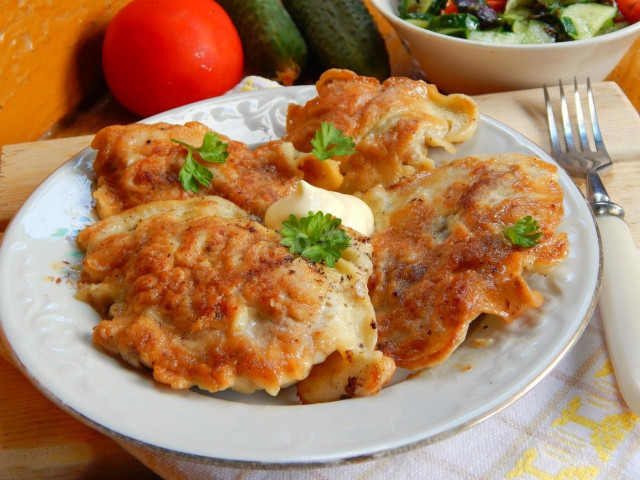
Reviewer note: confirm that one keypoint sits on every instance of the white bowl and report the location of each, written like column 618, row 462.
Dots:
column 466, row 66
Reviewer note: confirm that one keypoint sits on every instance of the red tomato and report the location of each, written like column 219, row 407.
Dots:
column 450, row 7
column 630, row 9
column 497, row 5
column 160, row 54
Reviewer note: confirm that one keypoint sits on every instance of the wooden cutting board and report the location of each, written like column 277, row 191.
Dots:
column 37, row 440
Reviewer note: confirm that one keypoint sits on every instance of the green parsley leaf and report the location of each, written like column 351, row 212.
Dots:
column 192, row 174
column 316, row 237
column 525, row 232
column 331, row 142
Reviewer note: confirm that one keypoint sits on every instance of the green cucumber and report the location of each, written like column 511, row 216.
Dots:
column 455, row 24
column 537, row 32
column 565, row 3
column 520, row 26
column 497, row 37
column 272, row 43
column 584, row 20
column 614, row 27
column 419, row 23
column 412, row 6
column 342, row 34
column 517, row 14
column 517, row 4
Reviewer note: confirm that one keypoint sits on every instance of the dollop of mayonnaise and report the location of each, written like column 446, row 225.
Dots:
column 353, row 212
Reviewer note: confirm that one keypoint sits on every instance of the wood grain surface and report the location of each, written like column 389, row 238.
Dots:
column 37, row 440
column 50, row 61
column 40, row 441
column 627, row 74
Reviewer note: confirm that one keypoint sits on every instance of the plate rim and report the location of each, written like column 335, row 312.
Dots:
column 344, row 460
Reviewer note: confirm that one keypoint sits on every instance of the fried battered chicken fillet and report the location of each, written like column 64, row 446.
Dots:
column 139, row 163
column 206, row 297
column 392, row 125
column 441, row 258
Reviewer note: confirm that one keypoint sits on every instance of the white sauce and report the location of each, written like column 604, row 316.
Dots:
column 353, row 212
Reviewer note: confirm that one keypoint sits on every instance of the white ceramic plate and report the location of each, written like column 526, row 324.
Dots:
column 49, row 332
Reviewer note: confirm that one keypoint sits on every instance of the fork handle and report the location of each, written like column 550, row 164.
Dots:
column 618, row 304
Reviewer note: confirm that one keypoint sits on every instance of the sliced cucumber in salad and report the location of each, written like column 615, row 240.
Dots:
column 538, row 32
column 530, row 31
column 458, row 25
column 497, row 37
column 520, row 26
column 585, row 20
column 514, row 21
column 518, row 4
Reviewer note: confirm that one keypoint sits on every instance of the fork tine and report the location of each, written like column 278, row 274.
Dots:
column 566, row 122
column 581, row 130
column 551, row 122
column 597, row 136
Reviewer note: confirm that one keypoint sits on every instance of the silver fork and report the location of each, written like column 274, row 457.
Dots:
column 620, row 291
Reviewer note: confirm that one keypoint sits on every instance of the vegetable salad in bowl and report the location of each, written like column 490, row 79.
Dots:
column 520, row 21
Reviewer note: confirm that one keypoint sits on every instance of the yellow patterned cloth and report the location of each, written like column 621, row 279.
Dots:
column 573, row 425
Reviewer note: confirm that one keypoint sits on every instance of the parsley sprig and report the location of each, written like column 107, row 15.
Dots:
column 192, row 174
column 525, row 232
column 316, row 237
column 331, row 142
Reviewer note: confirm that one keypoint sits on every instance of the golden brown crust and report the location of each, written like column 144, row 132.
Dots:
column 139, row 163
column 441, row 258
column 347, row 375
column 218, row 302
column 391, row 123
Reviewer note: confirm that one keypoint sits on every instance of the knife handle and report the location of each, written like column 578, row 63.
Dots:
column 619, row 305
